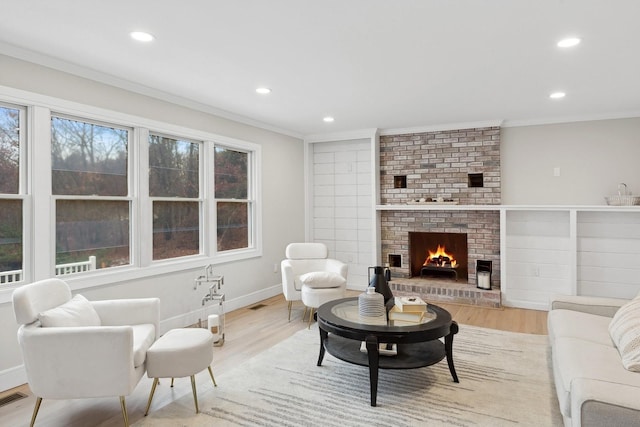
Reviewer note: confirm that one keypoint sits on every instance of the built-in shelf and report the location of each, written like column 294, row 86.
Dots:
column 447, row 207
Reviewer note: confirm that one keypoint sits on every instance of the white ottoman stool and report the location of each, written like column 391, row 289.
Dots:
column 180, row 353
column 315, row 297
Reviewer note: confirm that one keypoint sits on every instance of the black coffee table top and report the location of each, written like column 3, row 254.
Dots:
column 341, row 317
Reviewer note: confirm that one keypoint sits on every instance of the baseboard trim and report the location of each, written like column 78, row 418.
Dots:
column 12, row 377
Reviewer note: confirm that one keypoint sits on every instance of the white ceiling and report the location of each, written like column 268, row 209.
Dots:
column 369, row 63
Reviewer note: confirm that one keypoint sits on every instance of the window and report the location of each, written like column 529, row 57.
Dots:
column 11, row 204
column 174, row 188
column 233, row 203
column 90, row 185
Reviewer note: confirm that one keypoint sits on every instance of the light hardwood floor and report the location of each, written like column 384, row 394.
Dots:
column 248, row 331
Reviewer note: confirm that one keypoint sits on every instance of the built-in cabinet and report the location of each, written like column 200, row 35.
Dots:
column 578, row 250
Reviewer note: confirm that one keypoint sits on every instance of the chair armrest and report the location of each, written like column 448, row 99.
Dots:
column 288, row 279
column 593, row 305
column 76, row 362
column 337, row 266
column 122, row 312
column 601, row 403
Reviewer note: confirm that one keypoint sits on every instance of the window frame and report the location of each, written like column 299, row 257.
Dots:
column 39, row 215
column 23, row 189
column 200, row 199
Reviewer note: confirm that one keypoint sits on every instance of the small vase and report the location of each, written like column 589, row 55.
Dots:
column 379, row 283
column 371, row 304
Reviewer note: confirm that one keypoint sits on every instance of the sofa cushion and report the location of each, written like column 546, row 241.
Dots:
column 577, row 324
column 577, row 358
column 322, row 279
column 143, row 337
column 78, row 311
column 625, row 333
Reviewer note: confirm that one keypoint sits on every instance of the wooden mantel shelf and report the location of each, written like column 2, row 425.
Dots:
column 445, row 207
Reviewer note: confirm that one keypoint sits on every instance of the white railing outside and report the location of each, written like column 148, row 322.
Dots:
column 61, row 269
column 10, row 276
column 76, row 267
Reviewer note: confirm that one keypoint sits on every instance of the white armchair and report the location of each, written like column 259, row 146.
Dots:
column 304, row 260
column 73, row 348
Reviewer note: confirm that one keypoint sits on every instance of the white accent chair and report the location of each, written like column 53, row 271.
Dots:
column 309, row 275
column 74, row 348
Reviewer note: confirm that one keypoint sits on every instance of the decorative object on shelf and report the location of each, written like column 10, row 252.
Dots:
column 371, row 304
column 383, row 349
column 483, row 274
column 379, row 283
column 623, row 198
column 432, row 201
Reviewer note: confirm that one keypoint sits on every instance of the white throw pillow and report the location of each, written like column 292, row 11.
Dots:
column 322, row 279
column 625, row 334
column 78, row 311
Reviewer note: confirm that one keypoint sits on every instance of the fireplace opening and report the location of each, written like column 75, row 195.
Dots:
column 439, row 256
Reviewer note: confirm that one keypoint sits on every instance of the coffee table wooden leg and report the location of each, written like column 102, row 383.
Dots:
column 372, row 353
column 323, row 336
column 448, row 347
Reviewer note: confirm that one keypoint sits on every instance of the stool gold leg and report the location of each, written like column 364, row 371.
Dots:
column 310, row 317
column 212, row 379
column 35, row 411
column 123, row 405
column 171, row 382
column 195, row 394
column 304, row 315
column 153, row 390
column 290, row 303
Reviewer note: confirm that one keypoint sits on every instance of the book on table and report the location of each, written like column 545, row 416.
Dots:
column 407, row 316
column 411, row 304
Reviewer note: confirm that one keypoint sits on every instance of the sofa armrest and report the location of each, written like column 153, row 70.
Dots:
column 600, row 403
column 594, row 305
column 77, row 362
column 122, row 312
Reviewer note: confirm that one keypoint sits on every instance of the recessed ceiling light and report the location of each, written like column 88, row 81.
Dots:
column 557, row 95
column 328, row 119
column 263, row 90
column 141, row 36
column 569, row 42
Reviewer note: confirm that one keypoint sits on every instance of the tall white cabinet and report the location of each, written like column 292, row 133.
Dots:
column 341, row 200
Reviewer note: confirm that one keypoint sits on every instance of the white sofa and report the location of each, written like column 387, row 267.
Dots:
column 593, row 386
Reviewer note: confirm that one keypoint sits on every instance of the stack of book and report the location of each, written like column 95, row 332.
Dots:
column 408, row 309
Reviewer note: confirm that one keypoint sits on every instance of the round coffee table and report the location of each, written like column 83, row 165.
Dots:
column 342, row 332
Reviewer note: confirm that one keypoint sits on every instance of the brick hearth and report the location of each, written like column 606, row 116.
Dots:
column 441, row 291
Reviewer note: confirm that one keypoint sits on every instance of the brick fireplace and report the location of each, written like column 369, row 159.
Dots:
column 459, row 167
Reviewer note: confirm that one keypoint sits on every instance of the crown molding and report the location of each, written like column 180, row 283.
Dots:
column 341, row 136
column 572, row 119
column 442, row 127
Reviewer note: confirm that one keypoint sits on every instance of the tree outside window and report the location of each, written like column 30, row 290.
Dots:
column 91, row 186
column 10, row 205
column 233, row 206
column 174, row 187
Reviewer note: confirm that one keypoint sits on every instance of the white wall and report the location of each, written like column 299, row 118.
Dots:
column 246, row 282
column 593, row 157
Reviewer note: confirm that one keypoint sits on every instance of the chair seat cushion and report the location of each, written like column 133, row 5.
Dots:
column 143, row 337
column 322, row 279
column 78, row 311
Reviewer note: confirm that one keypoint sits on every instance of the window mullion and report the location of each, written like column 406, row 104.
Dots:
column 42, row 206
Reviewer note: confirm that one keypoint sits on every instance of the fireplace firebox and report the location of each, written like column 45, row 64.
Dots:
column 439, row 256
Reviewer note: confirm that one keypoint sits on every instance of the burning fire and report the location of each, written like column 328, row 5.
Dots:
column 441, row 258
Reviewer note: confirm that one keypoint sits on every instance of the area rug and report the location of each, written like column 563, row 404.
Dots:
column 505, row 380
